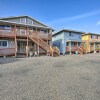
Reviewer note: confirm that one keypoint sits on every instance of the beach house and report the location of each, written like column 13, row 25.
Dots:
column 24, row 36
column 68, row 41
column 91, row 42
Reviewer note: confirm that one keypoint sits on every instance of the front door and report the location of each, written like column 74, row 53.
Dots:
column 22, row 47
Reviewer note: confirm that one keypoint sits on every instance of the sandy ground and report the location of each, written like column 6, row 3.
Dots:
column 70, row 77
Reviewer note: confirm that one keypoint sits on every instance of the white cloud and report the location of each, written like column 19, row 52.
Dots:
column 98, row 23
column 66, row 19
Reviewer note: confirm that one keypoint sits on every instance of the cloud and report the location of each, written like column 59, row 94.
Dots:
column 66, row 19
column 98, row 23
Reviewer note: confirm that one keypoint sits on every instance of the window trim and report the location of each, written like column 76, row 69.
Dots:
column 92, row 36
column 71, row 34
column 24, row 30
column 24, row 21
column 4, row 46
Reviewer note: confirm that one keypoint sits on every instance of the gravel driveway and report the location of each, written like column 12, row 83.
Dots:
column 70, row 77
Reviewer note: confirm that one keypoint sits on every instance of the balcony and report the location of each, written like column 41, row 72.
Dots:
column 22, row 32
column 7, row 33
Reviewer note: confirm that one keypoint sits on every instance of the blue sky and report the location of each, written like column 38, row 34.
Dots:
column 82, row 15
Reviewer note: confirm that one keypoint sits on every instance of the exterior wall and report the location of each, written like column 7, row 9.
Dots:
column 25, row 20
column 9, row 50
column 8, row 33
column 63, row 37
column 14, row 20
column 10, row 43
column 87, row 39
column 75, row 36
column 58, row 40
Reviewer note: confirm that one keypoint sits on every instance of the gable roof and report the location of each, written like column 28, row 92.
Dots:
column 19, row 24
column 68, row 30
column 91, row 34
column 5, row 18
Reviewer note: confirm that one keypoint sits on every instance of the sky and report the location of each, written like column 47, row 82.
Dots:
column 81, row 15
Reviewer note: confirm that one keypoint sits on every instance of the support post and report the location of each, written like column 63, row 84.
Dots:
column 15, row 41
column 27, row 48
column 70, row 48
column 94, row 47
column 38, row 40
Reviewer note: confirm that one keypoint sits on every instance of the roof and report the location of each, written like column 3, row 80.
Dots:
column 20, row 24
column 4, row 18
column 68, row 30
column 91, row 34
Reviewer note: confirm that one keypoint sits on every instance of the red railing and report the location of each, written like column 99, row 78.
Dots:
column 7, row 51
column 7, row 33
column 73, row 48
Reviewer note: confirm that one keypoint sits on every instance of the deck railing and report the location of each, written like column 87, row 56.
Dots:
column 73, row 48
column 7, row 33
column 56, row 50
column 7, row 51
column 23, row 32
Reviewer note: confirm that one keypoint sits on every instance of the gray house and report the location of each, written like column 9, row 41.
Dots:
column 22, row 35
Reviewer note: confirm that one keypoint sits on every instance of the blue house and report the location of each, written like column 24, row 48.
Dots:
column 67, row 40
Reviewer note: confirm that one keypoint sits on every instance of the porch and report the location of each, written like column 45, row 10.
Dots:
column 95, row 46
column 72, row 46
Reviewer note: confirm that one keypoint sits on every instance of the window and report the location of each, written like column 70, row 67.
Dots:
column 92, row 36
column 22, row 20
column 4, row 27
column 22, row 31
column 71, row 34
column 42, row 31
column 67, row 44
column 7, row 27
column 3, row 43
column 29, row 21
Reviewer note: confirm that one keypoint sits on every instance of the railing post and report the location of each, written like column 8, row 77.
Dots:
column 70, row 48
column 15, row 41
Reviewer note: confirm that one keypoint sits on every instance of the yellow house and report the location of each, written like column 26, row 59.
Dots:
column 91, row 42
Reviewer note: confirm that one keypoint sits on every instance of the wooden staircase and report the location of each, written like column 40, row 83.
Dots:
column 53, row 51
column 81, row 50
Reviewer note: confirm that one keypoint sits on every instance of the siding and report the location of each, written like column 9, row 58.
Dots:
column 58, row 41
column 76, row 37
column 8, row 50
column 10, row 43
column 63, row 37
column 14, row 20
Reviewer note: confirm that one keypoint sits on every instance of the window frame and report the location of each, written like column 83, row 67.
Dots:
column 70, row 34
column 24, row 20
column 2, row 45
column 21, row 31
column 92, row 36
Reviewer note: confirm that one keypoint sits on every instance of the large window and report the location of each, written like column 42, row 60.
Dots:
column 5, row 27
column 3, row 43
